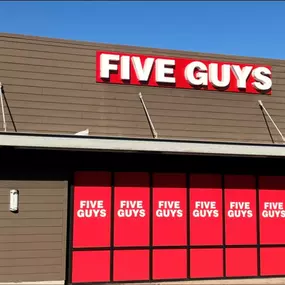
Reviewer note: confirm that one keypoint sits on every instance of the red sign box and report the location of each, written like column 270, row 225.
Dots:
column 92, row 204
column 272, row 209
column 135, row 69
column 241, row 262
column 169, row 264
column 169, row 209
column 90, row 266
column 206, row 263
column 272, row 261
column 131, row 209
column 206, row 211
column 131, row 265
column 240, row 207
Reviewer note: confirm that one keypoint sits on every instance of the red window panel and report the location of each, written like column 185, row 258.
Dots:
column 131, row 209
column 131, row 265
column 206, row 263
column 91, row 266
column 240, row 207
column 241, row 262
column 206, row 211
column 169, row 264
column 169, row 209
column 272, row 261
column 272, row 209
column 92, row 209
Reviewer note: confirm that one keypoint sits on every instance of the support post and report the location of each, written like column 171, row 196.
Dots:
column 153, row 131
column 272, row 121
column 2, row 107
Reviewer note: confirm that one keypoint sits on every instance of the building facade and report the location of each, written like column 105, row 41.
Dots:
column 199, row 197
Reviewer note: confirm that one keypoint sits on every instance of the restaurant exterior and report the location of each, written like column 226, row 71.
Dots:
column 127, row 164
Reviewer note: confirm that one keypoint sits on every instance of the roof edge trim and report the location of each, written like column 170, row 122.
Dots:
column 139, row 145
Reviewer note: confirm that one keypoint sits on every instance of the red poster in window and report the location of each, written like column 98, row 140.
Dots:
column 240, row 207
column 131, row 209
column 169, row 264
column 241, row 262
column 272, row 261
column 169, row 209
column 206, row 263
column 206, row 216
column 91, row 266
column 131, row 265
column 272, row 209
column 92, row 204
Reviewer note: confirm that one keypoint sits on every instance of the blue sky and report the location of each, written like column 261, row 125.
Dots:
column 239, row 28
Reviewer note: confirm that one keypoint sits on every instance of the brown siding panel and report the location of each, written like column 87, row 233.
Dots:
column 33, row 241
column 29, row 262
column 51, row 88
column 36, row 254
column 18, row 277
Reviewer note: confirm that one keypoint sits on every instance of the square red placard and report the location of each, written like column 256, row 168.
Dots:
column 131, row 265
column 272, row 261
column 169, row 264
column 241, row 262
column 91, row 266
column 206, row 263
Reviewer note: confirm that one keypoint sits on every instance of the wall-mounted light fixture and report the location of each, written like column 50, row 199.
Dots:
column 14, row 200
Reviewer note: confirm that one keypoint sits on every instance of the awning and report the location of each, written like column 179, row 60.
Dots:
column 111, row 144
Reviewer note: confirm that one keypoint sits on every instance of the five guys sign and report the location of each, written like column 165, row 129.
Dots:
column 182, row 73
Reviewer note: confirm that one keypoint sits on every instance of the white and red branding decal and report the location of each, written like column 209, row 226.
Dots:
column 182, row 73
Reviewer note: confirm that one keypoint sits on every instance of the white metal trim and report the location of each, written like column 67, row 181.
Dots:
column 138, row 145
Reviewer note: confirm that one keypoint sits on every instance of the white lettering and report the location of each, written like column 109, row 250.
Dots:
column 130, row 209
column 91, row 204
column 263, row 81
column 240, row 210
column 240, row 214
column 169, row 204
column 106, row 66
column 91, row 213
column 131, row 204
column 125, row 68
column 273, row 214
column 214, row 78
column 273, row 205
column 196, row 73
column 91, row 209
column 205, row 213
column 166, row 213
column 205, row 205
column 201, row 78
column 169, row 209
column 205, row 209
column 241, row 75
column 161, row 70
column 273, row 210
column 82, row 204
column 128, row 213
column 142, row 72
column 240, row 205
